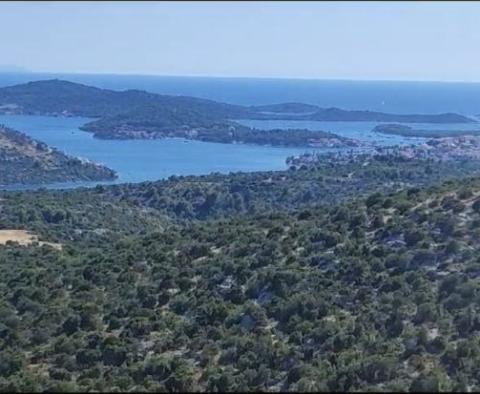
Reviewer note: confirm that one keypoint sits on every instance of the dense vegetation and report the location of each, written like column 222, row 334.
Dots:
column 407, row 131
column 56, row 97
column 25, row 160
column 325, row 182
column 354, row 272
column 377, row 293
column 161, row 122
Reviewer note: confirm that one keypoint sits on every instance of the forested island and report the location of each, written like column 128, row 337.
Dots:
column 297, row 111
column 408, row 131
column 357, row 274
column 136, row 114
column 24, row 160
column 147, row 123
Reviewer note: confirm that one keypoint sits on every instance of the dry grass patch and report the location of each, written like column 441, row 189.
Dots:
column 23, row 237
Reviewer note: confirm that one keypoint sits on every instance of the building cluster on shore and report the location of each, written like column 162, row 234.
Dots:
column 439, row 149
column 446, row 148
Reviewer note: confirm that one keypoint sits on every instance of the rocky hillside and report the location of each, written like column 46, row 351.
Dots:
column 377, row 294
column 24, row 160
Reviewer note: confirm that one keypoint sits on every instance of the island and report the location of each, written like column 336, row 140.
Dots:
column 160, row 122
column 27, row 161
column 136, row 114
column 286, row 109
column 407, row 131
column 297, row 111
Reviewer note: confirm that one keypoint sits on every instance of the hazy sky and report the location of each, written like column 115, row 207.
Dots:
column 351, row 40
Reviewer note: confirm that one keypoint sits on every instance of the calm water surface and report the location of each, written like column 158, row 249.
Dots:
column 137, row 161
column 359, row 130
column 147, row 160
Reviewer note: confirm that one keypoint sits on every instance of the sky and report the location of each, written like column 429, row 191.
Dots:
column 436, row 41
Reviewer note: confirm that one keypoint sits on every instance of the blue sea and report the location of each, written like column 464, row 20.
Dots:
column 385, row 96
column 145, row 160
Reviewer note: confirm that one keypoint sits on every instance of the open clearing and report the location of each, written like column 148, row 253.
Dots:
column 23, row 237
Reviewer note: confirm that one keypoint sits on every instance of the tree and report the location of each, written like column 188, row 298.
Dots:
column 10, row 363
column 429, row 383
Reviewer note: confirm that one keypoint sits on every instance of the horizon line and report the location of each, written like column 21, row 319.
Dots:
column 336, row 79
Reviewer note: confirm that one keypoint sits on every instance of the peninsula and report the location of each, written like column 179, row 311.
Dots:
column 26, row 161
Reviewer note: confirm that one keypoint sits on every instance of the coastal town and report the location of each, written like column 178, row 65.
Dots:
column 437, row 149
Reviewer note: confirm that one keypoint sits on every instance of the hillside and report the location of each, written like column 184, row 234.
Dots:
column 24, row 160
column 57, row 97
column 378, row 293
column 326, row 181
